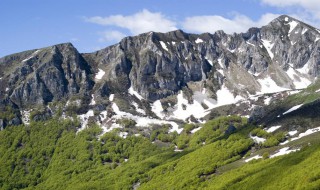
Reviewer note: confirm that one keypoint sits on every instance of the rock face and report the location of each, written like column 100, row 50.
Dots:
column 281, row 55
column 41, row 76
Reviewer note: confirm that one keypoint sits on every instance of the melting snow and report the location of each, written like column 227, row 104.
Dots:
column 304, row 69
column 267, row 101
column 182, row 110
column 164, row 46
column 134, row 93
column 84, row 119
column 123, row 135
column 304, row 31
column 196, row 129
column 210, row 62
column 111, row 97
column 286, row 19
column 253, row 158
column 258, row 139
column 143, row 121
column 220, row 62
column 292, row 133
column 156, row 108
column 232, row 51
column 293, row 109
column 273, row 128
column 250, row 43
column 299, row 82
column 93, row 102
column 292, row 24
column 269, row 86
column 198, row 40
column 139, row 110
column 268, row 46
column 306, row 133
column 177, row 150
column 283, row 151
column 31, row 56
column 100, row 74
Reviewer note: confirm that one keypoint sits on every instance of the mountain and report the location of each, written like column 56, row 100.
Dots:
column 167, row 76
column 165, row 111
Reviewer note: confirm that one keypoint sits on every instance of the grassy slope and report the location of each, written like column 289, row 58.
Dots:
column 52, row 155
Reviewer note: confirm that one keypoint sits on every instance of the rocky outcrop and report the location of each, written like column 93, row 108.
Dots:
column 41, row 76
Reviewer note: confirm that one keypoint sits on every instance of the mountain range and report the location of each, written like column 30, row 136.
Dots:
column 268, row 75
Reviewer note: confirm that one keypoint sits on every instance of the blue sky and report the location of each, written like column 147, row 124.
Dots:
column 94, row 24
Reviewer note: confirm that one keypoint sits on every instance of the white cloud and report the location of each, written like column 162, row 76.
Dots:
column 111, row 36
column 239, row 23
column 306, row 10
column 137, row 23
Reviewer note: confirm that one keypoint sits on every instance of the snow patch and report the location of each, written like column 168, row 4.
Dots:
column 198, row 40
column 306, row 133
column 210, row 62
column 268, row 45
column 84, row 119
column 267, row 100
column 220, row 63
column 111, row 97
column 269, row 86
column 304, row 31
column 258, row 139
column 304, row 69
column 253, row 158
column 123, row 135
column 299, row 82
column 273, row 128
column 164, row 46
column 196, row 129
column 135, row 93
column 250, row 44
column 100, row 74
column 284, row 151
column 31, row 56
column 177, row 150
column 293, row 109
column 139, row 110
column 93, row 102
column 157, row 108
column 292, row 24
column 143, row 121
column 292, row 133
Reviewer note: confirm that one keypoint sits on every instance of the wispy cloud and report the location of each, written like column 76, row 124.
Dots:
column 137, row 23
column 111, row 36
column 212, row 23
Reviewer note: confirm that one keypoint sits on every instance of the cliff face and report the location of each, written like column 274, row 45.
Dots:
column 209, row 69
column 41, row 76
